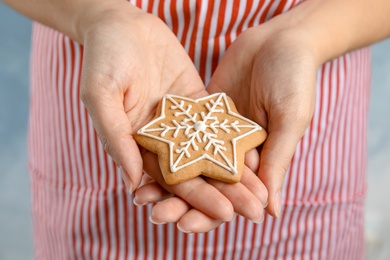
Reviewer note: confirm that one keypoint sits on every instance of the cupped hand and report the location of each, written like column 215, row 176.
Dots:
column 131, row 60
column 270, row 73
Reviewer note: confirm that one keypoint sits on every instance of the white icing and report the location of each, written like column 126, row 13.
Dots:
column 200, row 126
column 198, row 130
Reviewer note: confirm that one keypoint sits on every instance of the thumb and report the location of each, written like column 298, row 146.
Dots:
column 275, row 159
column 105, row 107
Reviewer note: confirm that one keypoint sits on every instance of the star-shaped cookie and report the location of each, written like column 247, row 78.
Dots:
column 206, row 136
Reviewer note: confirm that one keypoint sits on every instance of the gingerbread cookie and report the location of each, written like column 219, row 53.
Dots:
column 205, row 136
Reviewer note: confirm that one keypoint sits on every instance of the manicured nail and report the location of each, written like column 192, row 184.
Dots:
column 265, row 204
column 126, row 179
column 182, row 230
column 259, row 221
column 234, row 216
column 155, row 222
column 137, row 203
column 277, row 204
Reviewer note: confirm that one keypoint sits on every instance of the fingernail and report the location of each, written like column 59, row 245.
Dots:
column 265, row 204
column 277, row 204
column 234, row 216
column 181, row 229
column 155, row 222
column 259, row 221
column 137, row 203
column 126, row 179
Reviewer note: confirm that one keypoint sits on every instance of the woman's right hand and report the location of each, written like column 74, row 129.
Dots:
column 131, row 60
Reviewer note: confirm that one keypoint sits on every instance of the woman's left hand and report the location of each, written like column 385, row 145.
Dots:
column 270, row 73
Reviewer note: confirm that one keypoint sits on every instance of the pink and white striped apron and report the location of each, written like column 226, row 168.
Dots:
column 81, row 209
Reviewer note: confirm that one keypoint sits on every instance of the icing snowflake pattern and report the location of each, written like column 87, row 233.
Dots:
column 202, row 131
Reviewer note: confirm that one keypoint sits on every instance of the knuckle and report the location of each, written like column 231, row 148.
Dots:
column 304, row 118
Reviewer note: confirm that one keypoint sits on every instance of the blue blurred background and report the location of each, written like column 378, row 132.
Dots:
column 15, row 223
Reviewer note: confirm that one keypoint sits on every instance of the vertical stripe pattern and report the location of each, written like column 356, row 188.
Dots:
column 81, row 209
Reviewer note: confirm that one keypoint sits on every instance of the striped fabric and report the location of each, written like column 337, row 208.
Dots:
column 81, row 209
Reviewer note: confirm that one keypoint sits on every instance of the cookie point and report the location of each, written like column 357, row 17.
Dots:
column 140, row 131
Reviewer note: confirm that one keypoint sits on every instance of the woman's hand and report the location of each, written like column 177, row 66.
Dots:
column 131, row 60
column 271, row 74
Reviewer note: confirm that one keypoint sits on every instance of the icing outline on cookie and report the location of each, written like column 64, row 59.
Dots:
column 195, row 124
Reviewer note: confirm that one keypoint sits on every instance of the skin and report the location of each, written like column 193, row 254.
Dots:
column 272, row 66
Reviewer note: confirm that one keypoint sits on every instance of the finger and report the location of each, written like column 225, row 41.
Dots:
column 169, row 210
column 105, row 107
column 189, row 220
column 149, row 193
column 275, row 159
column 251, row 181
column 252, row 160
column 245, row 202
column 197, row 192
column 195, row 221
column 145, row 180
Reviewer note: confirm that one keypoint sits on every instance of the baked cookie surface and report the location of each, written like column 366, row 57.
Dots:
column 206, row 136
